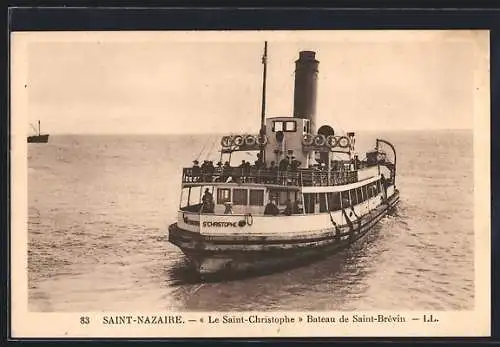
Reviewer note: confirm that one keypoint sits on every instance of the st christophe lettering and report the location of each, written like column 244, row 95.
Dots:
column 220, row 224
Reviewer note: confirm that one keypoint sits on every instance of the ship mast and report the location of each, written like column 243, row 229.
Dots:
column 39, row 132
column 263, row 107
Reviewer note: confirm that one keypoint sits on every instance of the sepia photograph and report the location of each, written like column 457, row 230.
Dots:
column 252, row 171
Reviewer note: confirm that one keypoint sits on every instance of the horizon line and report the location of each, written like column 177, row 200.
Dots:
column 243, row 132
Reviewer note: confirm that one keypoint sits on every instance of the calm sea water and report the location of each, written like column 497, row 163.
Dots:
column 99, row 207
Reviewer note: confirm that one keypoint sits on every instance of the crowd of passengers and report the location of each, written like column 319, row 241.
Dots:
column 259, row 171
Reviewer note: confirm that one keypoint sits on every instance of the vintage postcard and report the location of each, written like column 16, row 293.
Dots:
column 250, row 184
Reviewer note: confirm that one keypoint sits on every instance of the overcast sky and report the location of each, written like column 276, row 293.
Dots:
column 169, row 83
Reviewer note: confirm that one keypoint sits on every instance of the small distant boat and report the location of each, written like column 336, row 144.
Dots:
column 39, row 138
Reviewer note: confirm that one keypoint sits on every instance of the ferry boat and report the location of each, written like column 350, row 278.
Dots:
column 309, row 194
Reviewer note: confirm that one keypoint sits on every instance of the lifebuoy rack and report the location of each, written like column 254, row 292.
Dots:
column 245, row 142
column 322, row 143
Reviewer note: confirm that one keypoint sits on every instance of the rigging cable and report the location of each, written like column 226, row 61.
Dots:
column 212, row 147
column 203, row 148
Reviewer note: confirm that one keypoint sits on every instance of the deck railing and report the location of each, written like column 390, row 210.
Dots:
column 301, row 177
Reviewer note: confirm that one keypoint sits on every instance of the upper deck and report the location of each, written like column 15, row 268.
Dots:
column 288, row 178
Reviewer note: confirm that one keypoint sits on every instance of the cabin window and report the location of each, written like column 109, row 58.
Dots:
column 277, row 126
column 223, row 195
column 345, row 199
column 290, row 126
column 306, row 126
column 372, row 190
column 322, row 202
column 273, row 195
column 240, row 196
column 256, row 197
column 279, row 196
column 194, row 196
column 360, row 195
column 283, row 197
column 184, row 197
column 309, row 202
column 369, row 190
column 354, row 198
column 334, row 201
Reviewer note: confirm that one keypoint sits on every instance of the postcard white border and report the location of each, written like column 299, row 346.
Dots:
column 50, row 325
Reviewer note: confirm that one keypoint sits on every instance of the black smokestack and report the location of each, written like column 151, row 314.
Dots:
column 306, row 82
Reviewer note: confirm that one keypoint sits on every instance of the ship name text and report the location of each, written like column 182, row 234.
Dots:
column 220, row 224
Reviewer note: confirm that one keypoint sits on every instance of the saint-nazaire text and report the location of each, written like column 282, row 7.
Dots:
column 118, row 320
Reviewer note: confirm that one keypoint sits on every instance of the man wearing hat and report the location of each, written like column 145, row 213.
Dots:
column 229, row 208
column 271, row 208
column 208, row 202
column 196, row 172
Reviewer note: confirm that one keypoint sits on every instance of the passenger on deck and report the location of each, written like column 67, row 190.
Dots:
column 242, row 169
column 226, row 172
column 196, row 172
column 208, row 202
column 258, row 163
column 289, row 208
column 204, row 170
column 229, row 208
column 334, row 165
column 210, row 171
column 357, row 162
column 284, row 164
column 283, row 168
column 246, row 171
column 297, row 207
column 274, row 172
column 295, row 164
column 271, row 209
column 384, row 183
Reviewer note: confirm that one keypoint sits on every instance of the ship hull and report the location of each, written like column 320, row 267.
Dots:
column 38, row 139
column 227, row 255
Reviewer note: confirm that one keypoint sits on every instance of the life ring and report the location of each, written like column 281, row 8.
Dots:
column 249, row 219
column 226, row 141
column 343, row 142
column 307, row 139
column 331, row 141
column 319, row 140
column 250, row 140
column 261, row 140
column 238, row 140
